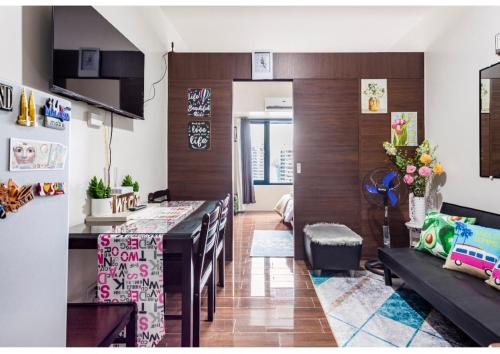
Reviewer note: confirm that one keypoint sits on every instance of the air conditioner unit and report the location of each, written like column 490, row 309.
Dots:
column 278, row 104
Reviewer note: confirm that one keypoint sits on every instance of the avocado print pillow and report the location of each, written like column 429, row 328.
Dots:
column 437, row 232
column 494, row 280
column 475, row 250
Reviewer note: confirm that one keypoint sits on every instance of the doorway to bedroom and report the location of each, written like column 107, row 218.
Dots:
column 263, row 170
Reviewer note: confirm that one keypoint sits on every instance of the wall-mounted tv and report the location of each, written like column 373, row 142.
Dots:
column 94, row 63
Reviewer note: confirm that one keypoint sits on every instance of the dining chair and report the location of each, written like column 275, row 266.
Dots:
column 159, row 196
column 220, row 253
column 204, row 271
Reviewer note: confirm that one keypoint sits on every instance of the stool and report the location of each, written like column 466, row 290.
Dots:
column 332, row 247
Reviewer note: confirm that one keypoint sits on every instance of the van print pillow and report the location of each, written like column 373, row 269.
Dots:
column 437, row 233
column 494, row 280
column 475, row 250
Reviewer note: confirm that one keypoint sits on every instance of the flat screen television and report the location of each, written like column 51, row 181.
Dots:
column 94, row 63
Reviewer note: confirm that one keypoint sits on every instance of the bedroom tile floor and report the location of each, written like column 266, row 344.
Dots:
column 267, row 302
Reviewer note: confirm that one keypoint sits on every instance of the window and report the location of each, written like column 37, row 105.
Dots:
column 461, row 250
column 272, row 151
column 490, row 259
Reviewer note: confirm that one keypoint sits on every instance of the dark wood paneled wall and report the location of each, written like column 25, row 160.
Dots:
column 327, row 105
column 326, row 146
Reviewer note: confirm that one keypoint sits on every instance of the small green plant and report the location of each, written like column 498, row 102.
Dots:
column 129, row 182
column 97, row 189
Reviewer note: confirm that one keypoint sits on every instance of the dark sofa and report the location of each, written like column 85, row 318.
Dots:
column 468, row 302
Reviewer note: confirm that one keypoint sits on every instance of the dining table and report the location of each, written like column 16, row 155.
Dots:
column 179, row 238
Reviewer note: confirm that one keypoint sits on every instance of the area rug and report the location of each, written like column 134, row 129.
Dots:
column 363, row 312
column 272, row 243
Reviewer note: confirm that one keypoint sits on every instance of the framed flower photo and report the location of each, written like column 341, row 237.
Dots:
column 404, row 128
column 373, row 96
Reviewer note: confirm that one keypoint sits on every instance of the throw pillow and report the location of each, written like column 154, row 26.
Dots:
column 437, row 233
column 494, row 280
column 475, row 250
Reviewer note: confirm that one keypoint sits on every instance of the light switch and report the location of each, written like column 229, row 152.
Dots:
column 299, row 167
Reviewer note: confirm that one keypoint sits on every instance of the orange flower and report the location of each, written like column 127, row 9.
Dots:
column 426, row 159
column 438, row 169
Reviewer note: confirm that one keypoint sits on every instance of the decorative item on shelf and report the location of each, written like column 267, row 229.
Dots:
column 123, row 202
column 373, row 95
column 49, row 189
column 102, row 202
column 6, row 94
column 13, row 197
column 32, row 111
column 199, row 135
column 55, row 114
column 22, row 119
column 199, row 102
column 28, row 155
column 417, row 169
column 404, row 128
column 262, row 65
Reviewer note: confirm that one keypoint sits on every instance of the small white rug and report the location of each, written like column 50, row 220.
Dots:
column 272, row 243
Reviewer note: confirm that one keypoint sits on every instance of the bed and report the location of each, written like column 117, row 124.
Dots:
column 284, row 208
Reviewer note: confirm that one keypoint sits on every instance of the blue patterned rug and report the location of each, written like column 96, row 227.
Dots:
column 272, row 243
column 363, row 312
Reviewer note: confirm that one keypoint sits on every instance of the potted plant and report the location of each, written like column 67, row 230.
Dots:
column 375, row 92
column 100, row 194
column 417, row 169
column 128, row 183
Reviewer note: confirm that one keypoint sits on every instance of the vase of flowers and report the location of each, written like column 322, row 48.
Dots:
column 375, row 92
column 417, row 168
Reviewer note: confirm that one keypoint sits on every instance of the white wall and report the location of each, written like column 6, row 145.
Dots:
column 452, row 65
column 249, row 97
column 10, row 60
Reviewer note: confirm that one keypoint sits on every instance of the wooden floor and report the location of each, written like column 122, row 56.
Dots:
column 267, row 302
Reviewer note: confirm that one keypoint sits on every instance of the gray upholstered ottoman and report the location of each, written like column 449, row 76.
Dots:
column 332, row 247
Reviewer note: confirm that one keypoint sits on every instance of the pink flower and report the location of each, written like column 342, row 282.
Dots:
column 394, row 125
column 410, row 169
column 399, row 131
column 408, row 179
column 424, row 171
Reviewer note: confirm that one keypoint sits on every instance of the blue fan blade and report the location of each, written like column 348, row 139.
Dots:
column 371, row 189
column 388, row 178
column 392, row 198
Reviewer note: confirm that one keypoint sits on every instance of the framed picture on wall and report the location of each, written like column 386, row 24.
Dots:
column 199, row 102
column 88, row 62
column 373, row 96
column 485, row 95
column 199, row 135
column 262, row 65
column 404, row 128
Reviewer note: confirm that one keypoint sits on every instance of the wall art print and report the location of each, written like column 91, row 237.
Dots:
column 199, row 102
column 130, row 269
column 199, row 135
column 26, row 155
column 373, row 96
column 485, row 95
column 404, row 128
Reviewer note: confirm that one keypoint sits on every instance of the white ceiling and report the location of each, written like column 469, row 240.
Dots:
column 309, row 29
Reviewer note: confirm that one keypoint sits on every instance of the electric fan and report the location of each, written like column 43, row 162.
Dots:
column 382, row 188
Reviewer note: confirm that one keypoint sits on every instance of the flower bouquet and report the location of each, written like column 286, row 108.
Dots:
column 417, row 168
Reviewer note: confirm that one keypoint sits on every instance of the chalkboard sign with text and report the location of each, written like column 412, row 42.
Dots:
column 199, row 102
column 199, row 135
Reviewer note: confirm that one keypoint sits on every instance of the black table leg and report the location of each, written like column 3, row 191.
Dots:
column 187, row 294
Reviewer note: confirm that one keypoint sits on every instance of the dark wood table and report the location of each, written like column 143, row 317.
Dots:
column 98, row 325
column 179, row 240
